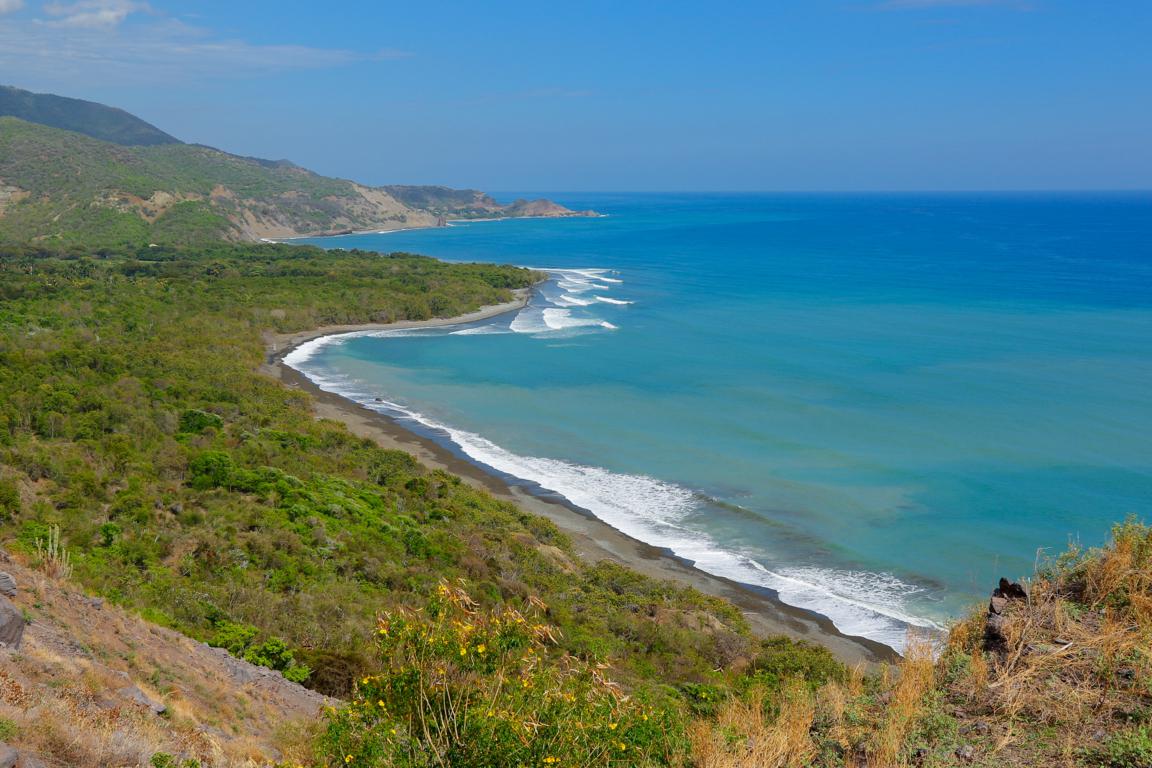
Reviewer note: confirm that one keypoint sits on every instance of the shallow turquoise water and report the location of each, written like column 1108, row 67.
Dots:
column 875, row 405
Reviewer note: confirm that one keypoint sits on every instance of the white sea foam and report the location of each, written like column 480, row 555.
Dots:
column 568, row 300
column 529, row 320
column 859, row 603
column 307, row 350
column 561, row 319
column 610, row 300
column 575, row 286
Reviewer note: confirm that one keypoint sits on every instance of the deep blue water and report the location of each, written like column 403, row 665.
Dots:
column 874, row 404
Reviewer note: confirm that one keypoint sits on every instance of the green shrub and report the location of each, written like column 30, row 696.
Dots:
column 9, row 500
column 275, row 654
column 781, row 659
column 211, row 469
column 109, row 532
column 1127, row 749
column 8, row 729
column 480, row 689
column 233, row 637
column 195, row 421
column 238, row 640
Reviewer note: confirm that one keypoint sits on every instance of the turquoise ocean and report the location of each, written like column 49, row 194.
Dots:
column 874, row 405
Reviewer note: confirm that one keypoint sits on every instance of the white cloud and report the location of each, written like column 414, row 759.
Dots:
column 10, row 6
column 87, row 42
column 92, row 14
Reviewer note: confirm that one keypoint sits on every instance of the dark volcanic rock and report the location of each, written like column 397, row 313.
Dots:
column 1010, row 590
column 11, row 624
column 1002, row 597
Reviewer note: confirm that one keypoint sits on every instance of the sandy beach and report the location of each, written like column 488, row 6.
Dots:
column 593, row 539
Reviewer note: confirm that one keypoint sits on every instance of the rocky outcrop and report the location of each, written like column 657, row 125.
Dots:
column 11, row 624
column 133, row 694
column 7, row 585
column 999, row 606
column 542, row 209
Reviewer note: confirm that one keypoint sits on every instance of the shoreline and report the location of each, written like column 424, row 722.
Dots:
column 592, row 539
column 447, row 224
column 277, row 345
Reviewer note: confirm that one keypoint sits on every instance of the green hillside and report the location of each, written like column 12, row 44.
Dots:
column 63, row 188
column 67, row 188
column 87, row 117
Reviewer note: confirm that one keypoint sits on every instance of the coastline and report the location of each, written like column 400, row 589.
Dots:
column 592, row 539
column 448, row 223
column 276, row 345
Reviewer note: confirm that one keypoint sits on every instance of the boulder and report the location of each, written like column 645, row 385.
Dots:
column 11, row 624
column 137, row 696
column 7, row 585
column 8, row 756
column 1005, row 593
column 1010, row 590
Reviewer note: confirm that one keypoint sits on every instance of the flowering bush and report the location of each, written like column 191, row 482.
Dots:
column 465, row 688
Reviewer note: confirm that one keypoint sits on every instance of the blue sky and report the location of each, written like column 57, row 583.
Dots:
column 769, row 95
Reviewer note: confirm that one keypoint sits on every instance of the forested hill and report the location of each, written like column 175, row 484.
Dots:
column 87, row 117
column 78, row 173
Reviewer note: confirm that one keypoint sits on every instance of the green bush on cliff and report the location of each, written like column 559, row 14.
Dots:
column 473, row 689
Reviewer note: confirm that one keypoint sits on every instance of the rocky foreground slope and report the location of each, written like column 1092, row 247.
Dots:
column 84, row 683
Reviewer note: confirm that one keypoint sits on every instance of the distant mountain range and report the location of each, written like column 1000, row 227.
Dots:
column 74, row 171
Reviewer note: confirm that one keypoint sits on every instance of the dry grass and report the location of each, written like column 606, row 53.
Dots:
column 1075, row 668
column 65, row 690
column 905, row 703
column 1078, row 651
column 61, row 726
column 746, row 734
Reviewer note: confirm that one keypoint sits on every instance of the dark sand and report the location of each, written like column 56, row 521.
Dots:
column 592, row 539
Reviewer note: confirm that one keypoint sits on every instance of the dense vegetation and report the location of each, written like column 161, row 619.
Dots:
column 461, row 630
column 205, row 495
column 87, row 117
